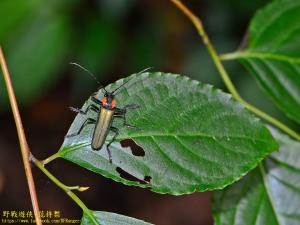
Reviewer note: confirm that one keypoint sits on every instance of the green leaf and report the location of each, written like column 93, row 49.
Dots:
column 34, row 60
column 107, row 218
column 268, row 195
column 12, row 13
column 273, row 54
column 194, row 137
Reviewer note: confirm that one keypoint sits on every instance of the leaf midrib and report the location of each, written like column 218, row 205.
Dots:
column 119, row 138
column 262, row 55
column 267, row 188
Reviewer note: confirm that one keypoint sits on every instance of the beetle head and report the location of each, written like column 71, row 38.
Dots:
column 109, row 101
column 109, row 95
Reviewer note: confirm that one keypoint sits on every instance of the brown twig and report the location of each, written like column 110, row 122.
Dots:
column 22, row 139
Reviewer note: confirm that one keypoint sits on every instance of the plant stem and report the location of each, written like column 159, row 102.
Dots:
column 25, row 151
column 66, row 189
column 230, row 86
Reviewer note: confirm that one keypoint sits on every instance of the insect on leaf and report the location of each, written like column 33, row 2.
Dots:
column 191, row 137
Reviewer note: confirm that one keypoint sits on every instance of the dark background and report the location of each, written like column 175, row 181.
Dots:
column 112, row 38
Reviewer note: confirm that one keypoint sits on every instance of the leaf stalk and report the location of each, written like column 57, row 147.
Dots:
column 225, row 76
column 67, row 190
column 50, row 158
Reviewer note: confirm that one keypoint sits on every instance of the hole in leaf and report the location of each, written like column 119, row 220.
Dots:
column 147, row 179
column 128, row 176
column 135, row 149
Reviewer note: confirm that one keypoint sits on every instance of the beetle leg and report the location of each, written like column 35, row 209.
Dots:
column 129, row 106
column 123, row 116
column 116, row 130
column 95, row 100
column 92, row 106
column 84, row 112
column 121, row 113
column 86, row 122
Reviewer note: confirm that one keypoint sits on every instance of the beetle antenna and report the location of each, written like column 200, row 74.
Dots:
column 90, row 73
column 142, row 71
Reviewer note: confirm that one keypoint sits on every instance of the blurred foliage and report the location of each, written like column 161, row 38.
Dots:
column 35, row 40
column 113, row 38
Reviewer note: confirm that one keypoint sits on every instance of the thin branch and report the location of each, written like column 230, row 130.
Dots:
column 230, row 86
column 22, row 139
column 67, row 189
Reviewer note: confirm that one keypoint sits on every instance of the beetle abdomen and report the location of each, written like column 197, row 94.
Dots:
column 102, row 128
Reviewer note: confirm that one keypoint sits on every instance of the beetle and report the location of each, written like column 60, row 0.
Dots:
column 107, row 110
